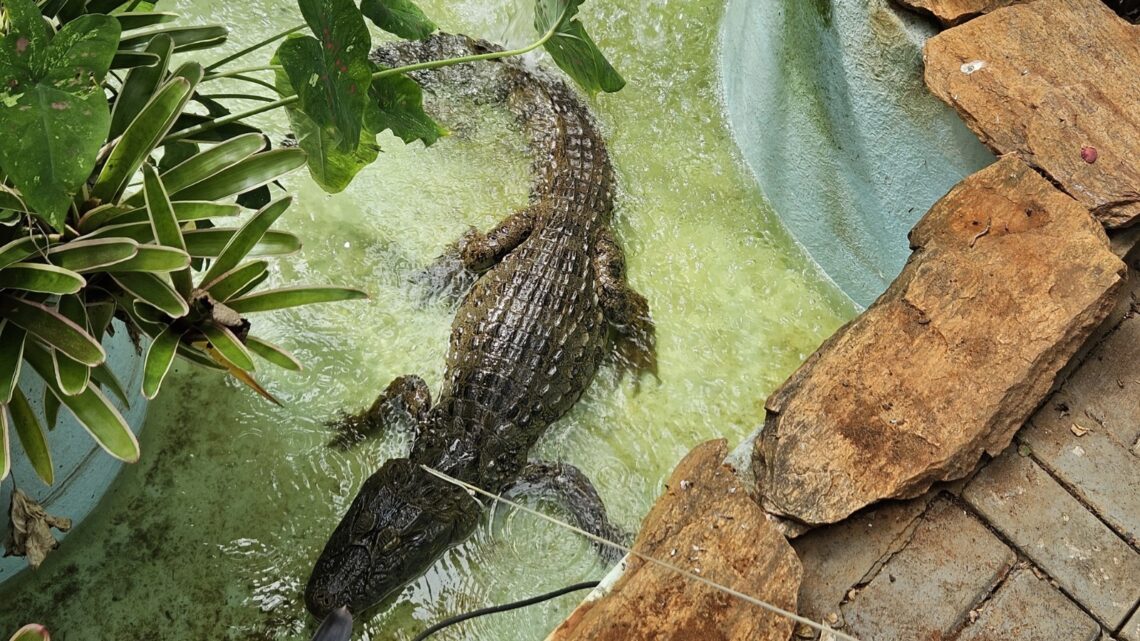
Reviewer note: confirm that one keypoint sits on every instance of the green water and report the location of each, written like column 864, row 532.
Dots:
column 213, row 533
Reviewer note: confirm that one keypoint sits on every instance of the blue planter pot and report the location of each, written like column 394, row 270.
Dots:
column 827, row 103
column 83, row 471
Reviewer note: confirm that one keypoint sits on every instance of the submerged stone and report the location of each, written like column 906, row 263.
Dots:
column 1007, row 278
column 706, row 524
column 1065, row 83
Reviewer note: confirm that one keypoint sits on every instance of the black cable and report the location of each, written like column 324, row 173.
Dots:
column 586, row 585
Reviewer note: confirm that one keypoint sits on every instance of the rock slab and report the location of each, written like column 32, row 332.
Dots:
column 1027, row 608
column 1060, row 93
column 1007, row 278
column 951, row 12
column 704, row 523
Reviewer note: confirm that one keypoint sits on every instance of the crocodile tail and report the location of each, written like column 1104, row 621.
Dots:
column 337, row 626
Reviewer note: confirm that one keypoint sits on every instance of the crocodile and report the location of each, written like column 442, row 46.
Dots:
column 549, row 302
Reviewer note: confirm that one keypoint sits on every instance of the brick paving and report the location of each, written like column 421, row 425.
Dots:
column 1040, row 544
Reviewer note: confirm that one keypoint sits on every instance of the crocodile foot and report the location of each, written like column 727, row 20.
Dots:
column 405, row 402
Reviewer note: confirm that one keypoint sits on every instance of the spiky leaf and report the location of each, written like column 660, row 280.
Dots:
column 32, row 436
column 292, row 297
column 159, row 358
column 53, row 329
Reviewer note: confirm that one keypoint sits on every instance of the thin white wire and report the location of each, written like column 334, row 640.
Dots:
column 834, row 634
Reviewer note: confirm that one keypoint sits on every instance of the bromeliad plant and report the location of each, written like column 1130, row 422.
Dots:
column 81, row 243
column 114, row 190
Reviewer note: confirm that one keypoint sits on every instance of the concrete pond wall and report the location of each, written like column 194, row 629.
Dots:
column 83, row 471
column 829, row 109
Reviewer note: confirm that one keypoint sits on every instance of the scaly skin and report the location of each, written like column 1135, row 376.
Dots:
column 527, row 340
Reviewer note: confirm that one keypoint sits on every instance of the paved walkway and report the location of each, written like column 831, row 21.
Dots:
column 1041, row 544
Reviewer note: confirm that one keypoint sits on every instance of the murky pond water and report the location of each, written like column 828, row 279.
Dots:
column 213, row 534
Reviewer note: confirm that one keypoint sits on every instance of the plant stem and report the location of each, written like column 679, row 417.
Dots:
column 255, row 47
column 233, row 72
column 421, row 66
column 235, row 96
column 256, row 81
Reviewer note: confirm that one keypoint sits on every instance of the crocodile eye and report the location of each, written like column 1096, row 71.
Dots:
column 387, row 540
column 363, row 523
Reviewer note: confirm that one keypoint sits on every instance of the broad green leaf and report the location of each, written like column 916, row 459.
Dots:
column 159, row 358
column 252, row 172
column 72, row 375
column 397, row 103
column 60, row 135
column 93, row 254
column 292, row 297
column 184, row 38
column 22, row 248
column 150, row 258
column 208, row 243
column 223, row 340
column 80, row 53
column 401, row 17
column 31, row 632
column 140, row 85
column 32, row 436
column 11, row 355
column 94, row 411
column 5, row 446
column 128, row 21
column 10, row 199
column 572, row 48
column 230, row 283
column 28, row 35
column 141, row 137
column 273, row 354
column 246, row 238
column 329, row 166
column 53, row 329
column 38, row 277
column 107, row 379
column 153, row 291
column 331, row 72
column 165, row 225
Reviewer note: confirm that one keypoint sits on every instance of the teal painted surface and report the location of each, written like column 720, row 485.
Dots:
column 83, row 471
column 827, row 103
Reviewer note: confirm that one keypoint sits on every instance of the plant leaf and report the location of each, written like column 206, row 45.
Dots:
column 247, row 174
column 397, row 103
column 153, row 291
column 31, row 632
column 230, row 283
column 32, row 436
column 331, row 75
column 246, row 238
column 184, row 38
column 138, row 232
column 94, row 411
column 241, row 374
column 11, row 354
column 141, row 137
column 292, row 297
column 5, row 445
column 175, row 153
column 165, row 225
column 150, row 258
column 206, row 164
column 208, row 243
column 37, row 277
column 159, row 358
column 133, row 60
column 82, row 256
column 273, row 354
column 71, row 375
column 223, row 340
column 139, row 85
column 53, row 329
column 195, row 356
column 51, row 407
column 572, row 48
column 107, row 379
column 99, row 316
column 22, row 248
column 137, row 20
column 400, row 17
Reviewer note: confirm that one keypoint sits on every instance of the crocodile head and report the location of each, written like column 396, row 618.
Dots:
column 402, row 520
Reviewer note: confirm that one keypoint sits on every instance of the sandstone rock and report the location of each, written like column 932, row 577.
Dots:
column 704, row 523
column 1007, row 278
column 955, row 11
column 1054, row 82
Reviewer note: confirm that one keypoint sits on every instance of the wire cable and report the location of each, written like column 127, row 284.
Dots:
column 514, row 605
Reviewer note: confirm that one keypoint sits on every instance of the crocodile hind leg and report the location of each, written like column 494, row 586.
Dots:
column 625, row 309
column 404, row 402
column 475, row 252
column 574, row 490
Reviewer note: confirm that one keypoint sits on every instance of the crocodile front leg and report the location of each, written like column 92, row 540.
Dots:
column 575, row 491
column 626, row 310
column 405, row 402
column 460, row 264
